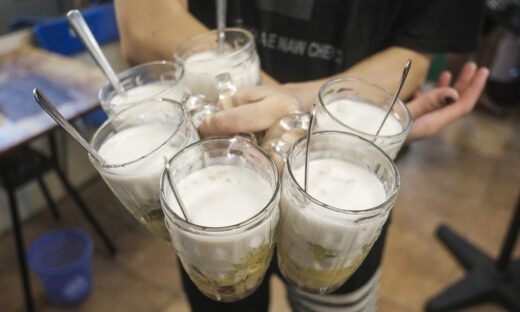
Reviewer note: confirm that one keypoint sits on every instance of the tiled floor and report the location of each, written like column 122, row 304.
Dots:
column 468, row 177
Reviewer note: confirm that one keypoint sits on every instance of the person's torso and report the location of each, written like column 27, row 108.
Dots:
column 301, row 40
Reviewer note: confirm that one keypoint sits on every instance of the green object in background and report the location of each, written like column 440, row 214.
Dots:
column 436, row 67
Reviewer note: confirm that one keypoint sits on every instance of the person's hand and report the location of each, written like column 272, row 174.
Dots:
column 435, row 109
column 257, row 108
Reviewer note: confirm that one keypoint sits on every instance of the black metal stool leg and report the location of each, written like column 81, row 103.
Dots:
column 467, row 254
column 470, row 290
column 487, row 279
column 88, row 214
column 50, row 202
column 21, row 250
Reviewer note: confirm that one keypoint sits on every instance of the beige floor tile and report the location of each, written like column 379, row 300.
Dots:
column 388, row 304
column 479, row 133
column 11, row 291
column 178, row 304
column 415, row 267
column 490, row 229
column 440, row 184
column 498, row 206
column 151, row 258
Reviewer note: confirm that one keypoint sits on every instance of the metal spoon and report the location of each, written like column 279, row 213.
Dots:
column 174, row 190
column 221, row 24
column 82, row 30
column 308, row 147
column 48, row 107
column 401, row 83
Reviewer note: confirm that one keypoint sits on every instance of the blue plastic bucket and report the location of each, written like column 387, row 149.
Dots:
column 62, row 261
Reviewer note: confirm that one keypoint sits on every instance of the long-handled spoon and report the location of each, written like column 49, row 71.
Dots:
column 174, row 189
column 401, row 83
column 221, row 24
column 308, row 147
column 80, row 27
column 48, row 107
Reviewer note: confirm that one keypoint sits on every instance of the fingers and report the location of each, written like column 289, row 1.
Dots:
column 475, row 88
column 444, row 79
column 467, row 101
column 432, row 100
column 469, row 81
column 465, row 76
column 249, row 118
column 252, row 94
column 430, row 123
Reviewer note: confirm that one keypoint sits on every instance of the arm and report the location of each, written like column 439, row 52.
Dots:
column 153, row 31
column 266, row 104
column 384, row 68
column 431, row 111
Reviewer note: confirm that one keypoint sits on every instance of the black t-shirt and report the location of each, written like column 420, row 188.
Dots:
column 300, row 40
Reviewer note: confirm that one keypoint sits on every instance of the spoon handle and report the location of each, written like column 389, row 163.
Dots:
column 221, row 23
column 174, row 189
column 401, row 83
column 80, row 27
column 48, row 107
column 308, row 146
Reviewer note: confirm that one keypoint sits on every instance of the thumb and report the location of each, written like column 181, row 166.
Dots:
column 432, row 100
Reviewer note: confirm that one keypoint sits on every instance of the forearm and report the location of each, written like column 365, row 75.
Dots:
column 384, row 68
column 153, row 31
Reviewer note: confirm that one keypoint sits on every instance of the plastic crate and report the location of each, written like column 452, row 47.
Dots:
column 57, row 36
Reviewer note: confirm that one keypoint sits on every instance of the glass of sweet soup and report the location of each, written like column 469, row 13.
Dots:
column 230, row 189
column 326, row 230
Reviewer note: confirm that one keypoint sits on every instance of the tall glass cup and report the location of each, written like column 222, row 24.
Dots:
column 206, row 68
column 354, row 106
column 149, row 80
column 134, row 143
column 358, row 106
column 226, row 262
column 321, row 245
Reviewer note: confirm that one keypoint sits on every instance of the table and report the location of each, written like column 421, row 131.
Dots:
column 69, row 84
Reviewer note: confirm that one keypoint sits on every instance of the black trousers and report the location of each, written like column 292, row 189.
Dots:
column 259, row 300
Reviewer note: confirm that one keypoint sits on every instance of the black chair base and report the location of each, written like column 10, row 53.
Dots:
column 484, row 281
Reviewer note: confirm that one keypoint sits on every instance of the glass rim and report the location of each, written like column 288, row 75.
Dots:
column 130, row 70
column 384, row 90
column 369, row 211
column 250, row 43
column 194, row 228
column 182, row 120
